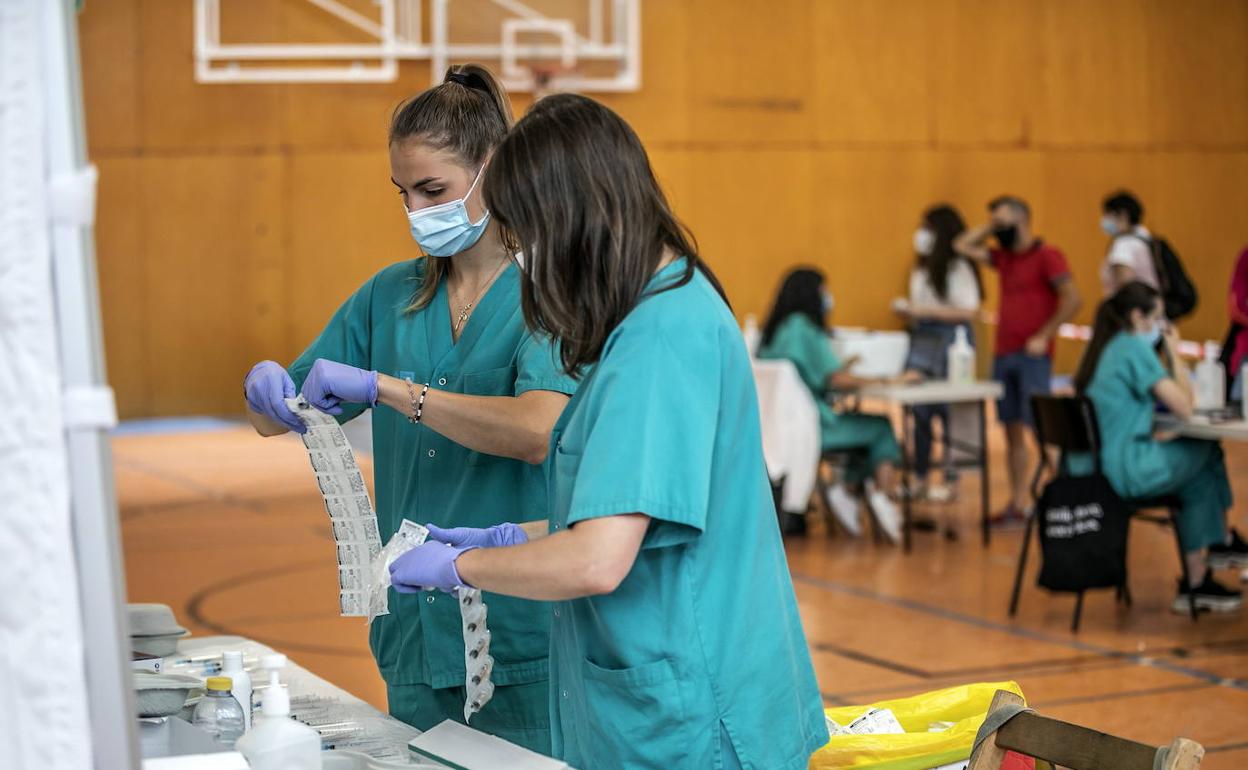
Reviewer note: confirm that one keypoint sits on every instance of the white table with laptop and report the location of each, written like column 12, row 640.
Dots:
column 883, row 355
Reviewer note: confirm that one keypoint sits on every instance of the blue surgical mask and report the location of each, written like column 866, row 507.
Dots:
column 1109, row 226
column 1152, row 336
column 828, row 301
column 445, row 229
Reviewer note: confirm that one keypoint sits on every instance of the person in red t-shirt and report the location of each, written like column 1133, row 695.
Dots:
column 1037, row 296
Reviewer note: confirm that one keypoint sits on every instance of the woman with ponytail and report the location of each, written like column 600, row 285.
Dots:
column 1123, row 376
column 464, row 398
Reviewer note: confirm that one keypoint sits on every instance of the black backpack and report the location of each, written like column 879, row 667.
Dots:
column 1177, row 290
column 1083, row 534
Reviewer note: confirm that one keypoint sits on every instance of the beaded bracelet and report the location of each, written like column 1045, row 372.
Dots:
column 418, row 407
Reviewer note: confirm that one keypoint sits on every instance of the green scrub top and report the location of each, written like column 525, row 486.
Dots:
column 423, row 476
column 1121, row 390
column 700, row 651
column 800, row 340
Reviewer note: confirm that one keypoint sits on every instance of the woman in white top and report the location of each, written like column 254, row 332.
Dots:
column 945, row 294
column 1130, row 256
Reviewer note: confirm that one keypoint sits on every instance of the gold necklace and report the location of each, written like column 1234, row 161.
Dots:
column 466, row 309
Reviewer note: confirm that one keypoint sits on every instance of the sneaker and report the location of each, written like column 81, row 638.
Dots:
column 1228, row 555
column 1210, row 595
column 845, row 508
column 886, row 513
column 942, row 493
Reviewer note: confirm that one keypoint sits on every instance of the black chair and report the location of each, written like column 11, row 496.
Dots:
column 1068, row 424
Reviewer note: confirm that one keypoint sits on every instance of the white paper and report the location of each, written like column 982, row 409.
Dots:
column 461, row 746
column 356, row 538
column 876, row 722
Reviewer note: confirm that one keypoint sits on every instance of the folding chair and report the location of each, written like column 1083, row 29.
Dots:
column 1068, row 424
column 1070, row 746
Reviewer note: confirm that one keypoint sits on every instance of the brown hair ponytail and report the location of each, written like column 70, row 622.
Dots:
column 468, row 114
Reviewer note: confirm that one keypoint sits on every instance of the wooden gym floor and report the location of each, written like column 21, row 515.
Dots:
column 228, row 529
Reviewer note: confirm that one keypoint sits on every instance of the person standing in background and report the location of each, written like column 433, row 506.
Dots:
column 945, row 294
column 1237, row 337
column 1038, row 295
column 1130, row 256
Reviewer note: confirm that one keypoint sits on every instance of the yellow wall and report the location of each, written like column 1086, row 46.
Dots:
column 233, row 219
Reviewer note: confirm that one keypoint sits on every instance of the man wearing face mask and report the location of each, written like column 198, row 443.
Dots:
column 1037, row 295
column 1130, row 257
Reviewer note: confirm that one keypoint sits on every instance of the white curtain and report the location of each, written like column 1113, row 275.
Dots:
column 43, row 708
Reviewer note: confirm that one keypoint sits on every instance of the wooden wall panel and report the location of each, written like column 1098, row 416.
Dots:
column 122, row 270
column 865, row 87
column 109, row 45
column 1087, row 92
column 750, row 69
column 753, row 213
column 1198, row 72
column 351, row 225
column 180, row 116
column 868, row 205
column 985, row 63
column 660, row 112
column 234, row 219
column 216, row 275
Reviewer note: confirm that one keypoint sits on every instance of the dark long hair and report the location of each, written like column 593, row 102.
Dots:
column 467, row 114
column 800, row 292
column 573, row 190
column 946, row 224
column 1113, row 316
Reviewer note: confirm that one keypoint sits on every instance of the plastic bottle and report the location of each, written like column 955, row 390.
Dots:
column 961, row 359
column 751, row 333
column 232, row 666
column 1243, row 394
column 218, row 714
column 278, row 742
column 1210, row 380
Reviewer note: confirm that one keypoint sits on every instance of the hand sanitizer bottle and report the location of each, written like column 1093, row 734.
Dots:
column 278, row 742
column 961, row 359
column 1210, row 380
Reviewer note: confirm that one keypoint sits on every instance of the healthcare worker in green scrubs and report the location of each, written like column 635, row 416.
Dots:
column 1123, row 377
column 675, row 637
column 464, row 402
column 796, row 330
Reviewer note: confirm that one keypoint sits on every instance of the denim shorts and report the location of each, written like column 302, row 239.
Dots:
column 1023, row 377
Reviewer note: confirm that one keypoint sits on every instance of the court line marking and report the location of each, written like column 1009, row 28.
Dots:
column 833, row 586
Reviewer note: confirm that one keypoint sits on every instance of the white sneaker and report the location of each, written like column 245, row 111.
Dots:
column 845, row 507
column 886, row 513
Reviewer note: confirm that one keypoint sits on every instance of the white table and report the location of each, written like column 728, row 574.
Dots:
column 387, row 735
column 789, row 420
column 1230, row 430
column 939, row 392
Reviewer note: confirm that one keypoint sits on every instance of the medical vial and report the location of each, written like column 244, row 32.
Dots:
column 219, row 714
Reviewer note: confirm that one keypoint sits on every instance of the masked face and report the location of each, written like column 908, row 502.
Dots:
column 1109, row 225
column 924, row 241
column 1006, row 235
column 445, row 229
column 829, row 302
column 1151, row 335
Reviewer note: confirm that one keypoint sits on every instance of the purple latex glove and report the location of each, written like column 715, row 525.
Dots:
column 330, row 383
column 428, row 566
column 267, row 387
column 489, row 537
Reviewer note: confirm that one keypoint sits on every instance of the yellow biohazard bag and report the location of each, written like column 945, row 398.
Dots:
column 918, row 749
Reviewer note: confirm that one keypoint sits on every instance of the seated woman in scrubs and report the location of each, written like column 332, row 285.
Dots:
column 675, row 638
column 1124, row 378
column 464, row 401
column 797, row 330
